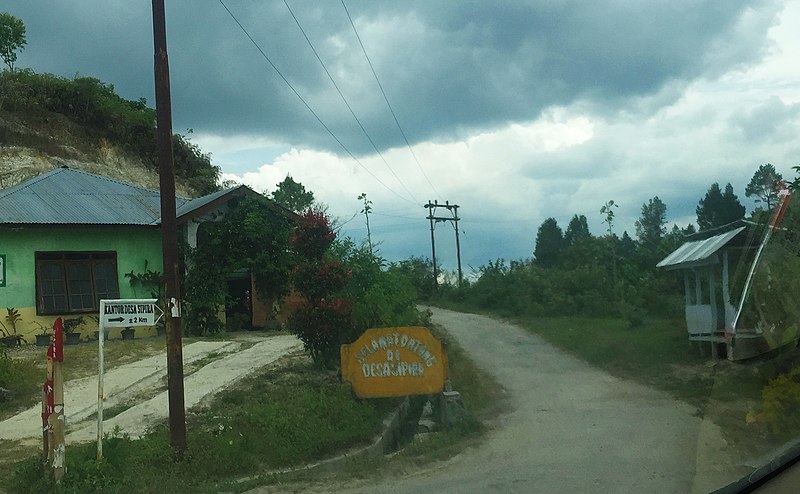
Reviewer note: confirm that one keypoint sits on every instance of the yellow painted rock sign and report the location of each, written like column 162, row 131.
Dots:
column 395, row 362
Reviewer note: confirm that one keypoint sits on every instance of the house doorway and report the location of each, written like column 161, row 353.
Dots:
column 239, row 303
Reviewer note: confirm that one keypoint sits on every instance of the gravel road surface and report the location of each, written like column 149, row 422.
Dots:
column 573, row 428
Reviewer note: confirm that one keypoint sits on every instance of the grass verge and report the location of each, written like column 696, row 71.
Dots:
column 277, row 418
column 656, row 353
column 659, row 354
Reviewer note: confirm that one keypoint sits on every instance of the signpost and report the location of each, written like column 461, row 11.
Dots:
column 2, row 270
column 395, row 362
column 119, row 313
column 53, row 420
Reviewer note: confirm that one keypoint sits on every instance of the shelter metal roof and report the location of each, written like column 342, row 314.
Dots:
column 698, row 251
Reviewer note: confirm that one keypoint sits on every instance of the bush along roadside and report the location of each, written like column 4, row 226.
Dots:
column 277, row 418
column 345, row 290
column 18, row 378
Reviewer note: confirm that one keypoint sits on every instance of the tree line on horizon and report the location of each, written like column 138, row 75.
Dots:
column 573, row 272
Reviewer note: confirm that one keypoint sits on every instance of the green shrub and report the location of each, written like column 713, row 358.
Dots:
column 252, row 236
column 779, row 409
column 381, row 296
column 323, row 320
column 21, row 378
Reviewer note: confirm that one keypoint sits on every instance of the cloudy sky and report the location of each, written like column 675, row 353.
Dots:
column 515, row 110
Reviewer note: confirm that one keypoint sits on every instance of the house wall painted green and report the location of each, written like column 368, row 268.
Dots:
column 133, row 246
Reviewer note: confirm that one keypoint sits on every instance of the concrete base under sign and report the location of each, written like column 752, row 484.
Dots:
column 452, row 408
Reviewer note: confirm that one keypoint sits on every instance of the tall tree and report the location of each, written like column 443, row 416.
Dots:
column 365, row 211
column 764, row 185
column 293, row 195
column 12, row 38
column 577, row 230
column 650, row 226
column 718, row 208
column 627, row 247
column 607, row 210
column 549, row 242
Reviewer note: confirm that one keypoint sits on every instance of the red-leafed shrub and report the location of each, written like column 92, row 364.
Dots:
column 319, row 325
column 318, row 280
column 313, row 236
column 322, row 321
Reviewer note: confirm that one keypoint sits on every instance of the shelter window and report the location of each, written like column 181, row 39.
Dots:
column 74, row 282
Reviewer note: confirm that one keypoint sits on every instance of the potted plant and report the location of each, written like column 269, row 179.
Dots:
column 127, row 333
column 43, row 337
column 9, row 337
column 97, row 333
column 70, row 325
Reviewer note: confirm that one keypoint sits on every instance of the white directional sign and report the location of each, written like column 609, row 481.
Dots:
column 124, row 313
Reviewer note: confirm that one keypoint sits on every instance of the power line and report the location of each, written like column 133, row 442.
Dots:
column 386, row 99
column 346, row 103
column 305, row 103
column 382, row 226
column 340, row 225
column 395, row 216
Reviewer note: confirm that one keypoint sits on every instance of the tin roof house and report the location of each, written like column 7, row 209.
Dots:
column 67, row 238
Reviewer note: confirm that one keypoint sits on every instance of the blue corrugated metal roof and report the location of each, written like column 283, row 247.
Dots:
column 65, row 196
column 698, row 251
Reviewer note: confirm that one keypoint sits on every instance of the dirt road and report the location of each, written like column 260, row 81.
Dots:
column 573, row 428
column 139, row 385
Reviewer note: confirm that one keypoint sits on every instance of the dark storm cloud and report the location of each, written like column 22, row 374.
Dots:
column 448, row 67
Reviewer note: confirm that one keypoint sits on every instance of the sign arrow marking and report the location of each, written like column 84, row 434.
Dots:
column 117, row 319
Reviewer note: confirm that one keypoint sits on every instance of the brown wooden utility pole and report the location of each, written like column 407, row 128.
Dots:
column 429, row 206
column 458, row 244
column 169, row 232
column 453, row 209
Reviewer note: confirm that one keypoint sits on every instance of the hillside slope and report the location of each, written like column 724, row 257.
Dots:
column 48, row 121
column 28, row 150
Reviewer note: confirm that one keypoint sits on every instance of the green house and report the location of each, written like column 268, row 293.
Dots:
column 68, row 237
